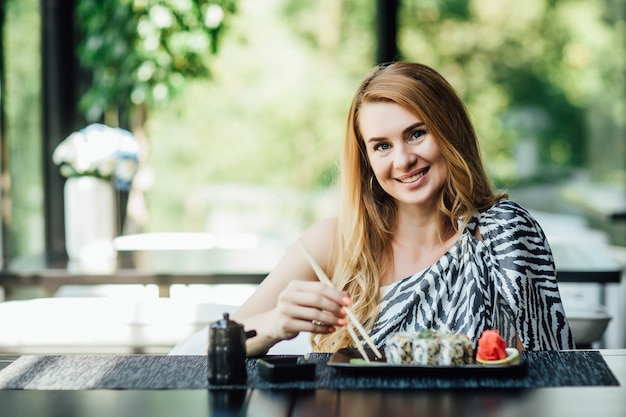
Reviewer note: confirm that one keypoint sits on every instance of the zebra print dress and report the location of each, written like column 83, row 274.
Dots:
column 506, row 281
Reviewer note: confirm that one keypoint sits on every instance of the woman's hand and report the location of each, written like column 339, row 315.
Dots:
column 291, row 299
column 308, row 306
column 302, row 306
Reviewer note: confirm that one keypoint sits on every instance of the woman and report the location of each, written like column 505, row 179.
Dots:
column 422, row 240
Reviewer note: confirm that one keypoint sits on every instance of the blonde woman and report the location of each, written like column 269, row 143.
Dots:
column 422, row 241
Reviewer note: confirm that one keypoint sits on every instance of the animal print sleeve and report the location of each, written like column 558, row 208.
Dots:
column 524, row 274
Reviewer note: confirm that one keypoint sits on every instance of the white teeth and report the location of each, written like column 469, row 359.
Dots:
column 413, row 178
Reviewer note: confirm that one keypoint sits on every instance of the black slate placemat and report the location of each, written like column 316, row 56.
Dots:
column 545, row 369
column 73, row 372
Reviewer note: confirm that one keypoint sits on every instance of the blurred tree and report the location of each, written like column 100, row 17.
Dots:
column 274, row 113
column 527, row 71
column 138, row 53
column 21, row 90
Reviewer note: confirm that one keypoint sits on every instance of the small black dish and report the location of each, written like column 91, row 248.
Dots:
column 286, row 368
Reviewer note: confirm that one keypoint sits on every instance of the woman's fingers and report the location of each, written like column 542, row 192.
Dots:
column 311, row 307
column 316, row 292
column 311, row 315
column 319, row 327
column 315, row 296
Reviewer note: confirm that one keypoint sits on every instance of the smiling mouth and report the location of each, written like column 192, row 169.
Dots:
column 414, row 178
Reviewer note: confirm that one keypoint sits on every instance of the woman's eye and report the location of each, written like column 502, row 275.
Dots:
column 417, row 134
column 381, row 147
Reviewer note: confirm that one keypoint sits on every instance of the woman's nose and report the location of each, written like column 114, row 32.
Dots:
column 404, row 158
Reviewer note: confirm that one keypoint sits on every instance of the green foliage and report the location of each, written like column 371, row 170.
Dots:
column 510, row 60
column 339, row 29
column 139, row 52
column 274, row 112
column 23, row 204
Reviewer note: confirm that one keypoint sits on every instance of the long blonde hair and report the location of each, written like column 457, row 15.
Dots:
column 368, row 214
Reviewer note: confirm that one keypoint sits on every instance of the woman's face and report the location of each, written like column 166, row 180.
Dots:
column 405, row 157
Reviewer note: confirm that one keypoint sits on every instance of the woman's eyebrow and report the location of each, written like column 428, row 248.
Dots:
column 413, row 127
column 376, row 139
column 405, row 132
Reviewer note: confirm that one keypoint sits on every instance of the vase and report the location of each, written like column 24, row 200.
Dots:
column 90, row 224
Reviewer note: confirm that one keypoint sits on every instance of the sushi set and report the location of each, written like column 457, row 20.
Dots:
column 349, row 359
column 432, row 353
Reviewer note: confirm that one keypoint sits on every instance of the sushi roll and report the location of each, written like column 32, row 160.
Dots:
column 429, row 347
column 455, row 349
column 426, row 347
column 399, row 348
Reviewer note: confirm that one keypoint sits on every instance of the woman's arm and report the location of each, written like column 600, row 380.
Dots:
column 291, row 298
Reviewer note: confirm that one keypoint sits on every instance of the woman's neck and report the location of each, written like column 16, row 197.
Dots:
column 417, row 243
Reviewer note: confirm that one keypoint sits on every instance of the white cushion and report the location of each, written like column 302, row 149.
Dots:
column 101, row 325
column 196, row 344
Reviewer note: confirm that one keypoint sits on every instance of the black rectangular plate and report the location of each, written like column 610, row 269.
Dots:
column 340, row 360
column 286, row 368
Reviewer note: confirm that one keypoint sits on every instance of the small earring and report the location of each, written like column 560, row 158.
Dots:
column 372, row 183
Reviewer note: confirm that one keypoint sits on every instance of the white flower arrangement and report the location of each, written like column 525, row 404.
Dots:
column 99, row 151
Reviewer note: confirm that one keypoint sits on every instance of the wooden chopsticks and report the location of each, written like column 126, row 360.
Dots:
column 323, row 278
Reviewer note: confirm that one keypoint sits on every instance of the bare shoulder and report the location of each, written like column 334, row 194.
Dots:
column 323, row 229
column 321, row 240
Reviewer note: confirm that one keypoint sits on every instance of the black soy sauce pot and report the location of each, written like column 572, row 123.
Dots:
column 227, row 352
